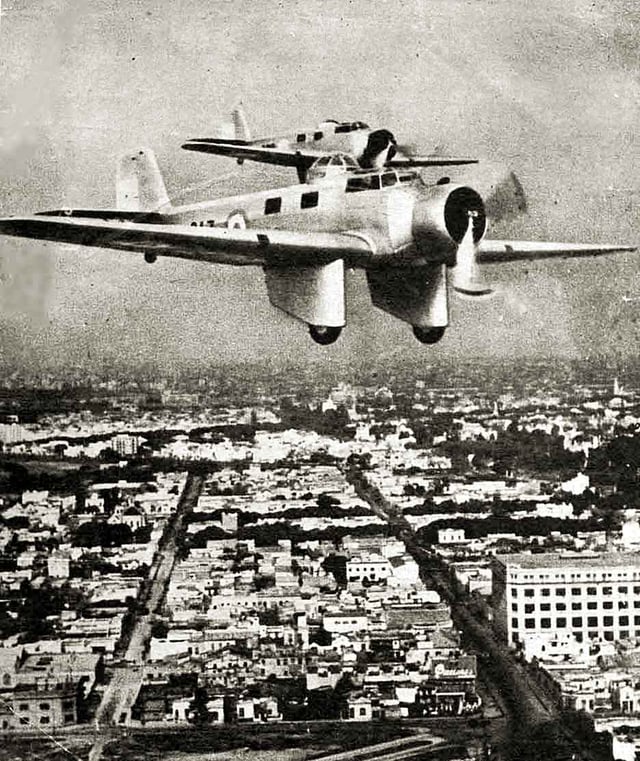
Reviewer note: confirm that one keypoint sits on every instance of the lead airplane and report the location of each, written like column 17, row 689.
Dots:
column 411, row 238
column 301, row 148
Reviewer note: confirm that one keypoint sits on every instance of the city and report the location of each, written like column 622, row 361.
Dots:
column 228, row 552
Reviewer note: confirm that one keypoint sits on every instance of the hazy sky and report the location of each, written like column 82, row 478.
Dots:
column 549, row 89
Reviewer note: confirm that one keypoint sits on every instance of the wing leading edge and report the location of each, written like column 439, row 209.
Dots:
column 243, row 150
column 206, row 244
column 302, row 158
column 498, row 251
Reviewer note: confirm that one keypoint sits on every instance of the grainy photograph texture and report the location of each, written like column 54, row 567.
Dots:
column 319, row 387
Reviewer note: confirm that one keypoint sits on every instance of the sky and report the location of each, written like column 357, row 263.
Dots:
column 548, row 90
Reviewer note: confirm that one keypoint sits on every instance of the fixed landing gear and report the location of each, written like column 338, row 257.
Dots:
column 323, row 334
column 150, row 257
column 428, row 335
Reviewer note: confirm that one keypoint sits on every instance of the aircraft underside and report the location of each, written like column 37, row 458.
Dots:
column 324, row 335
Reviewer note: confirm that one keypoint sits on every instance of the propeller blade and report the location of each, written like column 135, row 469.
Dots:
column 466, row 277
column 504, row 196
column 507, row 199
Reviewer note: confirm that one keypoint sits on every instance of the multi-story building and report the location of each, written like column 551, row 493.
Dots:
column 589, row 595
column 372, row 568
column 51, row 706
column 125, row 445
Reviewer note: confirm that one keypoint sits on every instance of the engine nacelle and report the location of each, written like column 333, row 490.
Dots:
column 441, row 218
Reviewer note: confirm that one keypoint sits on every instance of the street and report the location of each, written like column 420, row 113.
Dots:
column 121, row 692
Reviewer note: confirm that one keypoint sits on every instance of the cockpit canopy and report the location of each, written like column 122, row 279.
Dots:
column 331, row 166
column 350, row 127
column 342, row 127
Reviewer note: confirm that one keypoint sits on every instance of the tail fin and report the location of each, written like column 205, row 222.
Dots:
column 139, row 184
column 240, row 123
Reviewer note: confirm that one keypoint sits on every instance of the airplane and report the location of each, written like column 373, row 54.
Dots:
column 411, row 237
column 371, row 148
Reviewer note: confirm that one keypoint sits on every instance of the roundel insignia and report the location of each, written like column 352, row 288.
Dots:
column 236, row 221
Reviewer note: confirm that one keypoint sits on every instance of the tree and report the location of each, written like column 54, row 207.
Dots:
column 98, row 534
column 159, row 630
column 336, row 565
column 326, row 501
column 324, row 703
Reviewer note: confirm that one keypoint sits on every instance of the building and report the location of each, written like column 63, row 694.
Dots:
column 126, row 445
column 372, row 569
column 134, row 518
column 590, row 595
column 51, row 706
column 451, row 536
column 12, row 433
column 59, row 564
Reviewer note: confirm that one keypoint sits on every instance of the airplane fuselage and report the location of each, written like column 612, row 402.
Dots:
column 329, row 136
column 379, row 202
column 370, row 211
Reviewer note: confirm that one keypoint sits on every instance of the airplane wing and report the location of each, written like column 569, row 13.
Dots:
column 206, row 244
column 497, row 251
column 409, row 162
column 243, row 150
column 302, row 158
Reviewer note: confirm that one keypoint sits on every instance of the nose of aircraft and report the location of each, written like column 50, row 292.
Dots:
column 448, row 224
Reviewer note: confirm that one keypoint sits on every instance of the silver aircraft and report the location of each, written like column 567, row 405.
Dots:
column 412, row 238
column 301, row 148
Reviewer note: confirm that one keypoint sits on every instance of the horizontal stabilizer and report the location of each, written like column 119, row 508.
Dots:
column 314, row 295
column 496, row 251
column 417, row 295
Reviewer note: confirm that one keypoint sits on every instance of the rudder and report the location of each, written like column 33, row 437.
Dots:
column 139, row 183
column 240, row 123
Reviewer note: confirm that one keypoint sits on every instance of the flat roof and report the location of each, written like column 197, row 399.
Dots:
column 570, row 559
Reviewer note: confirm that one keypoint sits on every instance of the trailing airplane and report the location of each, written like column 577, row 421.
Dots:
column 371, row 148
column 410, row 237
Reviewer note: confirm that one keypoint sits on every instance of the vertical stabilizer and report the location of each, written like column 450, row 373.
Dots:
column 240, row 124
column 139, row 184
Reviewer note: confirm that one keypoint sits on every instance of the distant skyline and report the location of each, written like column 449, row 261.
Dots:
column 550, row 92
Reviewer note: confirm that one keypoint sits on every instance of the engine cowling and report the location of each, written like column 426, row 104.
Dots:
column 441, row 218
column 380, row 148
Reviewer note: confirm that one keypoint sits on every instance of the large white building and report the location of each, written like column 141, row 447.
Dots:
column 372, row 568
column 589, row 595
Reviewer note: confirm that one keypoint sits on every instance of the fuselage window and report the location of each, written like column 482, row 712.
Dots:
column 273, row 205
column 317, row 135
column 355, row 184
column 388, row 179
column 368, row 182
column 301, row 138
column 344, row 128
column 309, row 200
column 406, row 177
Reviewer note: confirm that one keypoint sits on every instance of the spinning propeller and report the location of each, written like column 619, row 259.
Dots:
column 466, row 277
